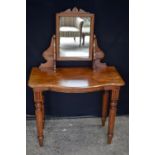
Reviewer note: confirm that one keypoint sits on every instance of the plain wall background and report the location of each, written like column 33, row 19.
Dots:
column 112, row 31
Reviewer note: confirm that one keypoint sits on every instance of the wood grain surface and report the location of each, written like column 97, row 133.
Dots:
column 75, row 80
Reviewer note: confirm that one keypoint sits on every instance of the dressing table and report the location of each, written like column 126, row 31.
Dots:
column 75, row 41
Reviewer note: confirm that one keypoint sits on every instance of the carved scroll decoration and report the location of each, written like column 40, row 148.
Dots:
column 98, row 55
column 50, row 56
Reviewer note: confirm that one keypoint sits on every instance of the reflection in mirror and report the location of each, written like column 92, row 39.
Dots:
column 74, row 37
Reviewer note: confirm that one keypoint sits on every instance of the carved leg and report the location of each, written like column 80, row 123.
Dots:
column 39, row 115
column 105, row 106
column 112, row 114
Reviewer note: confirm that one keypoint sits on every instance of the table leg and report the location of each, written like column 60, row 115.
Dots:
column 43, row 113
column 112, row 113
column 105, row 106
column 38, row 98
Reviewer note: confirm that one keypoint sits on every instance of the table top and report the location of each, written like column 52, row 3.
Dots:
column 75, row 80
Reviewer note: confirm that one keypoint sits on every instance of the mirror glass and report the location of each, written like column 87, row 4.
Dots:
column 74, row 37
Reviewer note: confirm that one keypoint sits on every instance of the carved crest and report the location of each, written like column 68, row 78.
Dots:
column 74, row 10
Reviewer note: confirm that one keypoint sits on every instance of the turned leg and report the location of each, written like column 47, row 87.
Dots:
column 43, row 113
column 112, row 113
column 39, row 115
column 105, row 106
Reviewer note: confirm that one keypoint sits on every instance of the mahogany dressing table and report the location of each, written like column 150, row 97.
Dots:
column 100, row 77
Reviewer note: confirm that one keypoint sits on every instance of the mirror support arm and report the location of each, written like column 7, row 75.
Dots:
column 98, row 55
column 50, row 56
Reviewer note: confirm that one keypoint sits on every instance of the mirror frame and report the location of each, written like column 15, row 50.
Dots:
column 74, row 13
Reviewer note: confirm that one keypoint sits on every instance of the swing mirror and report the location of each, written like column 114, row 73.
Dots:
column 74, row 35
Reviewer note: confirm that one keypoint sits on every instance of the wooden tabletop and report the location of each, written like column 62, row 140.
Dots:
column 75, row 80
